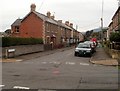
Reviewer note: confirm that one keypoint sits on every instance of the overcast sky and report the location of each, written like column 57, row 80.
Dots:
column 85, row 14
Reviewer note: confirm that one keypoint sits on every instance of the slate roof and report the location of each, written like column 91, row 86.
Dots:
column 63, row 25
column 118, row 10
column 44, row 18
column 17, row 22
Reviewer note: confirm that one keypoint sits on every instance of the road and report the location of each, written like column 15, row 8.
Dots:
column 60, row 70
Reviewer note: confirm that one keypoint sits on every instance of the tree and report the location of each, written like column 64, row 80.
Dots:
column 88, row 34
column 95, row 35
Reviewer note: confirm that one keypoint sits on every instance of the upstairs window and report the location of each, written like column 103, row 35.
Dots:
column 17, row 29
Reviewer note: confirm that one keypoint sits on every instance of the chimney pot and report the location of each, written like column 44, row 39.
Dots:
column 67, row 23
column 71, row 25
column 33, row 7
column 60, row 21
column 53, row 17
column 48, row 14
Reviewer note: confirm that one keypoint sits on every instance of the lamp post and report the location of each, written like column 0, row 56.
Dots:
column 102, row 21
column 118, row 3
column 102, row 29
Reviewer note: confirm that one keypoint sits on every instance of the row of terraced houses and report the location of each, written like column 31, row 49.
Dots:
column 114, row 26
column 37, row 25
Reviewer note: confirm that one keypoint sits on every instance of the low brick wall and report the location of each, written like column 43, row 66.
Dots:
column 115, row 53
column 24, row 49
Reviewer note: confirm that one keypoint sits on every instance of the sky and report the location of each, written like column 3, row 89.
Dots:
column 84, row 14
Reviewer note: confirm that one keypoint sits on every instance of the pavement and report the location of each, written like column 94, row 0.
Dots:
column 99, row 57
column 33, row 55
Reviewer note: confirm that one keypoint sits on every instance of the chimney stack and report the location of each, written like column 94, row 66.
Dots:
column 60, row 21
column 71, row 25
column 53, row 17
column 48, row 14
column 33, row 7
column 67, row 23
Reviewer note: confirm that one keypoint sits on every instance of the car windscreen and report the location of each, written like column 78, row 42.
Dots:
column 83, row 46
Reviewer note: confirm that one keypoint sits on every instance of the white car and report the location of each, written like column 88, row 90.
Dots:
column 83, row 49
column 93, row 45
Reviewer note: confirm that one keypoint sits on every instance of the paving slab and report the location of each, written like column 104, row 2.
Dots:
column 102, row 58
column 106, row 62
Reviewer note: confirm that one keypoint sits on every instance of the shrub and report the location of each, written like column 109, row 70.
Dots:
column 107, row 43
column 115, row 37
column 14, row 41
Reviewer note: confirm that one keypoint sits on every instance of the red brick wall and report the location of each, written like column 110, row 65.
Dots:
column 32, row 26
column 115, row 22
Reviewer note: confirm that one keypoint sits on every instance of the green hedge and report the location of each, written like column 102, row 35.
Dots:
column 115, row 37
column 14, row 41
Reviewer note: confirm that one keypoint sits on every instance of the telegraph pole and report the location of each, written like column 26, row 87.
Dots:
column 102, row 20
column 118, row 3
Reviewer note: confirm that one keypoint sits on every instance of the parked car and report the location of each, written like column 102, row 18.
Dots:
column 93, row 45
column 83, row 49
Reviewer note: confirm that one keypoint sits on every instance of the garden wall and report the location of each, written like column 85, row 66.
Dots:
column 113, row 53
column 23, row 49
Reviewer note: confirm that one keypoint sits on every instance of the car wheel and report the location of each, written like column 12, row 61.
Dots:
column 90, row 54
column 76, row 54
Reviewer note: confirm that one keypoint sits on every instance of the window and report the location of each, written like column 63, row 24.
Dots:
column 17, row 29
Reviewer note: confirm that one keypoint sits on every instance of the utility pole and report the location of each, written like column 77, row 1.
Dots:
column 76, row 27
column 118, row 3
column 102, row 20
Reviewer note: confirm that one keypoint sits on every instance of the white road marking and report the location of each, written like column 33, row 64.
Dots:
column 19, row 87
column 84, row 64
column 2, row 86
column 44, row 62
column 19, row 60
column 50, row 62
column 67, row 63
column 56, row 62
column 70, row 63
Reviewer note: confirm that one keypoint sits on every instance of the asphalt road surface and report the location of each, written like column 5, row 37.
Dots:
column 60, row 70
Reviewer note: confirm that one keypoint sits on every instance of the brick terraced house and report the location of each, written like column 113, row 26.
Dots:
column 37, row 25
column 114, row 26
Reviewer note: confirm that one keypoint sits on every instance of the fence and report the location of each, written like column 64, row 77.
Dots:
column 115, row 45
column 113, row 49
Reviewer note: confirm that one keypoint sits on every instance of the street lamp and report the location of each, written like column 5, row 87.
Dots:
column 102, row 29
column 118, row 3
column 102, row 21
